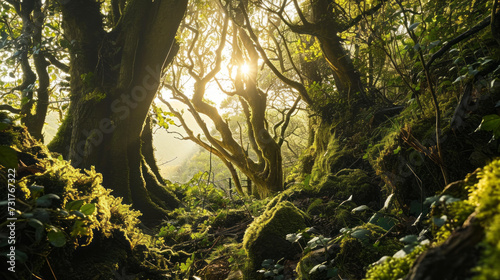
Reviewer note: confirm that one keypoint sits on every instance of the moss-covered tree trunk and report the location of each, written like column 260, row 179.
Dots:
column 326, row 24
column 326, row 29
column 114, row 79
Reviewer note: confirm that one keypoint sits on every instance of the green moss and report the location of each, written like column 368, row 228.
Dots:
column 315, row 208
column 327, row 147
column 393, row 268
column 349, row 182
column 265, row 237
column 456, row 213
column 486, row 196
column 61, row 140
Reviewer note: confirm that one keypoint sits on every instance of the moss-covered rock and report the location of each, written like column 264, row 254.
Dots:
column 265, row 237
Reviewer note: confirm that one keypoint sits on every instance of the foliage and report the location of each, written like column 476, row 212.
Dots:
column 271, row 270
column 390, row 268
column 485, row 196
column 491, row 123
column 201, row 191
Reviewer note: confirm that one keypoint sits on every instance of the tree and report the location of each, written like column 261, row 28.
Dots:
column 261, row 159
column 29, row 45
column 117, row 53
column 326, row 21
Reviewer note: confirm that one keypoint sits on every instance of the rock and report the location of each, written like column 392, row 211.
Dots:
column 265, row 237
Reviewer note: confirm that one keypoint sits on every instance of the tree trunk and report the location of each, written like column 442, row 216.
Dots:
column 326, row 27
column 32, row 39
column 114, row 78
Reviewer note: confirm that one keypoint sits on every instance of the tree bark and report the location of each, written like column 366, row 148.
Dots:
column 114, row 79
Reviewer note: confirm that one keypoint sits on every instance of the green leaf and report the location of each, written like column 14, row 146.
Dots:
column 46, row 200
column 473, row 72
column 460, row 78
column 431, row 200
column 56, row 237
column 400, row 254
column 434, row 43
column 491, row 123
column 292, row 237
column 8, row 157
column 63, row 213
column 447, row 199
column 317, row 268
column 486, row 61
column 35, row 223
column 413, row 26
column 409, row 239
column 268, row 274
column 36, row 188
column 78, row 214
column 439, row 222
column 267, row 263
column 360, row 208
column 318, row 241
column 74, row 205
column 39, row 233
column 396, row 151
column 388, row 201
column 361, row 233
column 88, row 209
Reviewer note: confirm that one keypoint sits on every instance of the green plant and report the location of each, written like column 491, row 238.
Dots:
column 271, row 270
column 491, row 123
column 186, row 267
